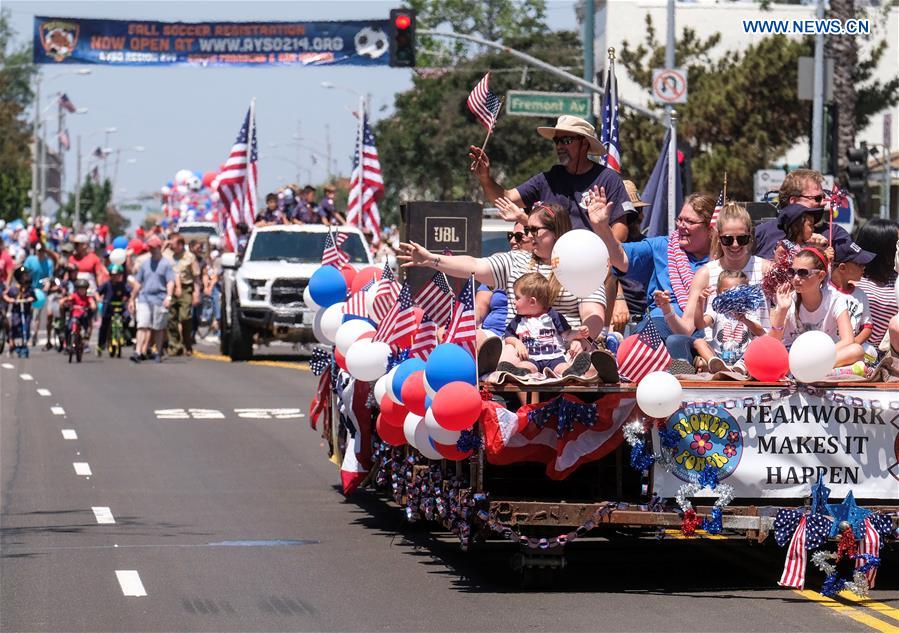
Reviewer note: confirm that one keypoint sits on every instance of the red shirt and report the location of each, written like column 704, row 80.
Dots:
column 90, row 263
column 79, row 304
column 6, row 265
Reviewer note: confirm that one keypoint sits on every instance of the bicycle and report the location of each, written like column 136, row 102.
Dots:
column 116, row 332
column 75, row 342
column 21, row 331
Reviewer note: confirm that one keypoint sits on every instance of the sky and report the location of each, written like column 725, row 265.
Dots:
column 187, row 118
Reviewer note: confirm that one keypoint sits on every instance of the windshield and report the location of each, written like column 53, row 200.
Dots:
column 194, row 230
column 493, row 242
column 301, row 248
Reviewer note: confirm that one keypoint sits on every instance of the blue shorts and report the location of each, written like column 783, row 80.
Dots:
column 552, row 363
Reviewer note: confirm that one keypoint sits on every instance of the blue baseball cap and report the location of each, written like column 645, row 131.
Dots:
column 849, row 251
column 793, row 212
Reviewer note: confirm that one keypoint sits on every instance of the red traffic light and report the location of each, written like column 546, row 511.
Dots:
column 402, row 21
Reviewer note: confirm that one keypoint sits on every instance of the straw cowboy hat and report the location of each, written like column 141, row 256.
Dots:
column 631, row 189
column 574, row 125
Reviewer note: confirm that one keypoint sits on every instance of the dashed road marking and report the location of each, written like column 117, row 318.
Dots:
column 57, row 411
column 186, row 414
column 268, row 414
column 103, row 514
column 8, row 366
column 82, row 468
column 130, row 582
column 26, row 377
column 43, row 392
column 69, row 434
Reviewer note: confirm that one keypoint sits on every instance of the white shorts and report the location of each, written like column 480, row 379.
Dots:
column 151, row 317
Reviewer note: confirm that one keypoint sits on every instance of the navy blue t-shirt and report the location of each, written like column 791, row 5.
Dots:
column 767, row 235
column 567, row 190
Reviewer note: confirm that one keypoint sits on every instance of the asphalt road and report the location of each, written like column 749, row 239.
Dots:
column 230, row 519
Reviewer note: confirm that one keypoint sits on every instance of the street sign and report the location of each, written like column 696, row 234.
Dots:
column 767, row 180
column 805, row 83
column 547, row 104
column 669, row 85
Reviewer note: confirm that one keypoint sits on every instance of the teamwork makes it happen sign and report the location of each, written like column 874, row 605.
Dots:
column 146, row 43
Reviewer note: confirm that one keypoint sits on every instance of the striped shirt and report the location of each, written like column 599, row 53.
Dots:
column 508, row 267
column 882, row 302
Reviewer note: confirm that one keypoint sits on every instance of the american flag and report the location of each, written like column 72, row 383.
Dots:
column 366, row 185
column 795, row 564
column 425, row 339
column 608, row 134
column 436, row 299
column 483, row 103
column 838, row 198
column 400, row 321
column 385, row 297
column 647, row 355
column 237, row 180
column 356, row 303
column 320, row 361
column 718, row 206
column 64, row 140
column 65, row 102
column 463, row 327
column 332, row 255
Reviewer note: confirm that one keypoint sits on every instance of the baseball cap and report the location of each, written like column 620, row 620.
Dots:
column 849, row 251
column 154, row 242
column 81, row 238
column 793, row 212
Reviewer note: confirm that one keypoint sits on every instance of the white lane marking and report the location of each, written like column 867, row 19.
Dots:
column 26, row 377
column 206, row 414
column 69, row 434
column 103, row 514
column 82, row 468
column 268, row 414
column 8, row 366
column 57, row 410
column 186, row 414
column 43, row 392
column 171, row 414
column 130, row 582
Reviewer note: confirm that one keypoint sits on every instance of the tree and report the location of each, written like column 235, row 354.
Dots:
column 16, row 71
column 95, row 207
column 424, row 146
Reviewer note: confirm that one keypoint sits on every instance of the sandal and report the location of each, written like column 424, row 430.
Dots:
column 579, row 366
column 605, row 364
column 509, row 368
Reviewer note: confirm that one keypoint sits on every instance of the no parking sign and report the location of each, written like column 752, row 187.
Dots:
column 669, row 85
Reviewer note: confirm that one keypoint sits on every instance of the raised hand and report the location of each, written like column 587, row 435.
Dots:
column 509, row 211
column 480, row 163
column 413, row 254
column 599, row 208
column 785, row 296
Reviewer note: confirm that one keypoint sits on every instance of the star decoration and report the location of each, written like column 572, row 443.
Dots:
column 850, row 512
column 820, row 496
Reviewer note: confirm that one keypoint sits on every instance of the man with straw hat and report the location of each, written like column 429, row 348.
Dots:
column 566, row 183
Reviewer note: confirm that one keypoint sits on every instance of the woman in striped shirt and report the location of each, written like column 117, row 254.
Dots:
column 546, row 223
column 879, row 236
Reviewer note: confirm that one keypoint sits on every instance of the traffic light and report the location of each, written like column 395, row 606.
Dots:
column 402, row 41
column 857, row 170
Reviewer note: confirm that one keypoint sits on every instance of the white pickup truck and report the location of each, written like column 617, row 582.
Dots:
column 262, row 294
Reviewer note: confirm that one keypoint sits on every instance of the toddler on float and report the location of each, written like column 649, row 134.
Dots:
column 540, row 334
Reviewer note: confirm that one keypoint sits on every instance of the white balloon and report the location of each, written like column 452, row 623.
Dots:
column 388, row 382
column 430, row 392
column 370, row 302
column 380, row 388
column 580, row 262
column 317, row 328
column 409, row 426
column 440, row 434
column 307, row 299
column 812, row 356
column 349, row 332
column 331, row 318
column 659, row 394
column 367, row 360
column 118, row 256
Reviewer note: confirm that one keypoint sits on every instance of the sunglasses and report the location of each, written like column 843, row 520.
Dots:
column 534, row 230
column 818, row 199
column 802, row 273
column 564, row 140
column 728, row 240
column 517, row 236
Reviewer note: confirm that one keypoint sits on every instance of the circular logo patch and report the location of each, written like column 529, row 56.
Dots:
column 708, row 436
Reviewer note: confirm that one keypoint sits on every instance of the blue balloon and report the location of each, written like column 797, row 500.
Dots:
column 169, row 184
column 403, row 371
column 449, row 363
column 428, row 401
column 40, row 298
column 327, row 286
column 120, row 242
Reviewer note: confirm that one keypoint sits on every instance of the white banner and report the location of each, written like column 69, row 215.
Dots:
column 776, row 445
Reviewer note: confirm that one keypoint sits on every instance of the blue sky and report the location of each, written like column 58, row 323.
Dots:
column 187, row 118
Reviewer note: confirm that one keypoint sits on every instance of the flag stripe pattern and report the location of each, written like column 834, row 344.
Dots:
column 795, row 564
column 400, row 320
column 237, row 181
column 870, row 544
column 425, row 339
column 436, row 299
column 647, row 355
column 332, row 255
column 366, row 185
column 608, row 135
column 385, row 297
column 463, row 327
column 483, row 103
column 718, row 206
column 356, row 303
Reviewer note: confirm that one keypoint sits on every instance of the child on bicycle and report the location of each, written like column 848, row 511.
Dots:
column 114, row 293
column 81, row 305
column 20, row 296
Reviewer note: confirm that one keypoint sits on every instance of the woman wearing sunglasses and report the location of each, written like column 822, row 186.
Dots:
column 809, row 304
column 492, row 304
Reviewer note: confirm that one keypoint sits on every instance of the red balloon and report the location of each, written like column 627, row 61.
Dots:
column 767, row 359
column 413, row 393
column 339, row 359
column 390, row 433
column 364, row 276
column 457, row 406
column 349, row 275
column 625, row 348
column 208, row 177
column 394, row 414
column 449, row 451
column 406, row 341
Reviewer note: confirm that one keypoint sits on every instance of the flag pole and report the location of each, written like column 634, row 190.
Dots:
column 359, row 154
column 490, row 131
column 251, row 137
column 725, row 188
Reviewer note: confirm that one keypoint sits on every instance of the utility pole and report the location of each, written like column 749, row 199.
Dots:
column 818, row 101
column 672, row 123
column 36, row 154
column 589, row 37
column 328, row 151
column 77, row 220
column 297, row 145
column 60, row 123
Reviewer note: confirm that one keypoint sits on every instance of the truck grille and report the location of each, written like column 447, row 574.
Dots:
column 288, row 291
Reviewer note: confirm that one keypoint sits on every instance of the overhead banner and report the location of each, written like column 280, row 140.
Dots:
column 142, row 43
column 777, row 445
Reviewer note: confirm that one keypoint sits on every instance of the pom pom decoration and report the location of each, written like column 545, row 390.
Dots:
column 327, row 286
column 812, row 356
column 766, row 359
column 580, row 262
column 450, row 451
column 739, row 300
column 777, row 275
column 457, row 406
